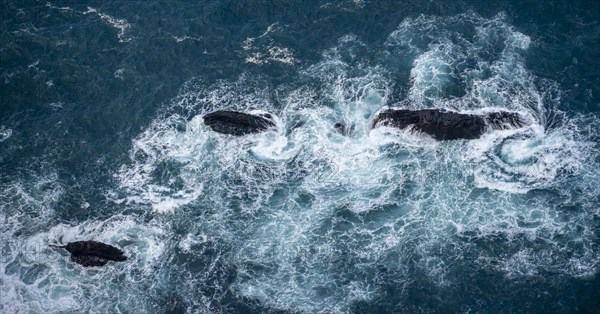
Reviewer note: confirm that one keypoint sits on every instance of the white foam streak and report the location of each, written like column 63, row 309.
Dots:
column 269, row 52
column 5, row 133
column 120, row 24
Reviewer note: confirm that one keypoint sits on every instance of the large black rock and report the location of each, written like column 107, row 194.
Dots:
column 238, row 123
column 448, row 125
column 93, row 253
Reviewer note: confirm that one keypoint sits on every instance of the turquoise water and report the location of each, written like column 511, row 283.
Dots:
column 101, row 137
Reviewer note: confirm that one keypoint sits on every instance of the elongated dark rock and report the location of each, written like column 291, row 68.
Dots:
column 238, row 123
column 448, row 125
column 93, row 253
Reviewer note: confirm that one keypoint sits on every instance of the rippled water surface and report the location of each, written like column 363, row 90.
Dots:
column 102, row 137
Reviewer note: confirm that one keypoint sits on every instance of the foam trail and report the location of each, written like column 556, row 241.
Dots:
column 120, row 24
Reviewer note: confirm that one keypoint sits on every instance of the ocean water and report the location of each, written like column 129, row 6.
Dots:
column 101, row 138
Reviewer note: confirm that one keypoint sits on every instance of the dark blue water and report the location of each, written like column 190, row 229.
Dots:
column 101, row 138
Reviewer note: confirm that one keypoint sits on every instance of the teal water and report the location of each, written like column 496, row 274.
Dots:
column 101, row 138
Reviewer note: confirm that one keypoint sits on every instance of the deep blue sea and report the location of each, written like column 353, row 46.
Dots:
column 102, row 138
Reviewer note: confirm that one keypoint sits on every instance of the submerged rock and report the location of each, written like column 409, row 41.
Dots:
column 343, row 129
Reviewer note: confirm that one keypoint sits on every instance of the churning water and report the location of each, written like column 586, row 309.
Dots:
column 111, row 146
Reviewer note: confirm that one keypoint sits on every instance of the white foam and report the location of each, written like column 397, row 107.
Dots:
column 540, row 156
column 187, row 147
column 119, row 74
column 247, row 44
column 267, row 51
column 190, row 240
column 534, row 159
column 120, row 24
column 273, row 146
column 431, row 72
column 43, row 279
column 309, row 215
column 186, row 37
column 56, row 105
column 360, row 3
column 52, row 6
column 274, row 53
column 34, row 65
column 5, row 133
